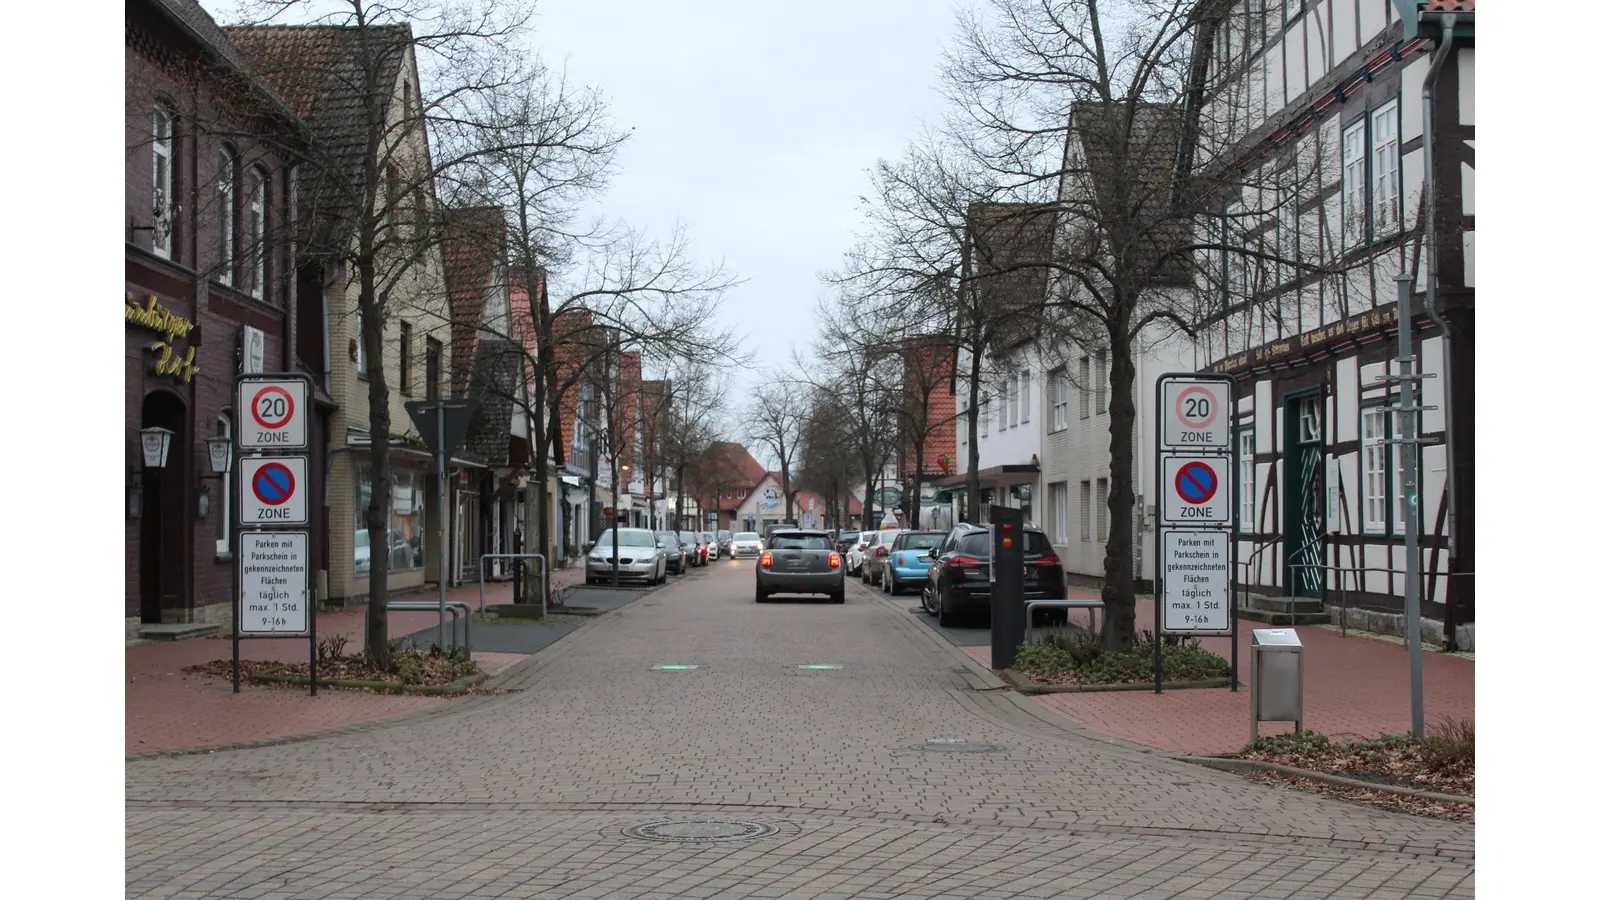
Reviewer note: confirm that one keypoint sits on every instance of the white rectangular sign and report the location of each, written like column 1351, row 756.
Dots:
column 272, row 490
column 273, row 414
column 274, row 576
column 1196, row 415
column 1194, row 581
column 1196, row 490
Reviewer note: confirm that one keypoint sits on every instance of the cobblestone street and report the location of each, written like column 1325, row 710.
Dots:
column 845, row 777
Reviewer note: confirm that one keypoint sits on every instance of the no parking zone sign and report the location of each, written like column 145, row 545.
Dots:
column 274, row 490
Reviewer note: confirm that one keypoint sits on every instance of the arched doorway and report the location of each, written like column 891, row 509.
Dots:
column 164, row 528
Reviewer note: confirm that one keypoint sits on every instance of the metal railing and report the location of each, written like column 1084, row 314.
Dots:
column 1344, row 608
column 544, row 574
column 459, row 612
column 1092, row 606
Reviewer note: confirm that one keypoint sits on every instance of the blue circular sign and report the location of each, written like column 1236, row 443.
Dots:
column 1196, row 482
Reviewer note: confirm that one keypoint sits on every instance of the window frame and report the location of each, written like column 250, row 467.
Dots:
column 1389, row 110
column 1083, row 388
column 1004, row 404
column 361, row 348
column 405, row 358
column 260, row 184
column 1354, row 210
column 433, row 369
column 1058, row 399
column 1086, row 511
column 1102, row 502
column 1246, row 478
column 228, row 214
column 1024, row 394
column 1377, row 448
column 163, row 178
column 1102, row 388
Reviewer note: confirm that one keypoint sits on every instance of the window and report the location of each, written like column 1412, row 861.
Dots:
column 224, row 510
column 1024, row 393
column 163, row 200
column 1007, row 405
column 227, row 215
column 1083, row 512
column 1083, row 388
column 742, row 493
column 256, row 232
column 1100, row 384
column 1102, row 509
column 1354, row 190
column 1247, row 480
column 361, row 347
column 1386, row 169
column 434, row 367
column 1374, row 469
column 984, row 417
column 1058, row 511
column 405, row 358
column 405, row 549
column 1310, row 420
column 1058, row 400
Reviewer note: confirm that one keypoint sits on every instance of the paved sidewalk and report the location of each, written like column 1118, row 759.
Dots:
column 1354, row 686
column 168, row 709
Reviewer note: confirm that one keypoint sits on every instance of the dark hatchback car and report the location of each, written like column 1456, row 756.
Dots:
column 958, row 580
column 800, row 562
column 843, row 541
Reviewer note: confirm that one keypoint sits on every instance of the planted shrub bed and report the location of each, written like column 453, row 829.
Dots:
column 1079, row 659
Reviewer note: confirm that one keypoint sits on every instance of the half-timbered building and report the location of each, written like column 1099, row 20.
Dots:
column 1327, row 117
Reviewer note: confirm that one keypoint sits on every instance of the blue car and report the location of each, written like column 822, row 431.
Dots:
column 908, row 562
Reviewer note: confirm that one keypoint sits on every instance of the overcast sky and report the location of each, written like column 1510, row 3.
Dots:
column 757, row 123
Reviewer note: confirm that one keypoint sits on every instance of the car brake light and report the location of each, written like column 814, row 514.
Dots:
column 964, row 562
column 881, row 552
column 833, row 560
column 766, row 560
column 1049, row 562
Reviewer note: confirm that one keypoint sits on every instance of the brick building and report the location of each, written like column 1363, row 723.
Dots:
column 209, row 292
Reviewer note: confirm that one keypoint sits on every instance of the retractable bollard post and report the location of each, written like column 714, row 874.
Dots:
column 1007, row 616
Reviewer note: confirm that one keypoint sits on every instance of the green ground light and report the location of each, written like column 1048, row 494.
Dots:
column 674, row 668
column 821, row 666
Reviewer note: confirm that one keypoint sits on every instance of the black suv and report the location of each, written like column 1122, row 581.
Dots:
column 958, row 581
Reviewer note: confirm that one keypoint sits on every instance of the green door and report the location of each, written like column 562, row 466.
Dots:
column 1304, row 518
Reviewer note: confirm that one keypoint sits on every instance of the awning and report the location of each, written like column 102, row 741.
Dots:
column 1010, row 473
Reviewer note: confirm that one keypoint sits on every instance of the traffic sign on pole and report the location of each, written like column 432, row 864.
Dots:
column 1196, row 491
column 274, row 582
column 273, row 490
column 1197, row 414
column 274, row 416
column 1194, row 582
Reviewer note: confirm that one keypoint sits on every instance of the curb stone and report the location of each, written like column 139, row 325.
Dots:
column 460, row 685
column 1247, row 766
column 1026, row 685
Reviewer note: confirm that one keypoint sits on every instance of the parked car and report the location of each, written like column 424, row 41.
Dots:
column 908, row 560
column 745, row 543
column 724, row 543
column 958, row 580
column 675, row 556
column 637, row 557
column 873, row 555
column 401, row 554
column 690, row 542
column 844, row 540
column 800, row 562
column 857, row 553
column 710, row 541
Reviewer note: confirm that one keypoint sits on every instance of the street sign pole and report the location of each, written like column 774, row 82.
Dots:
column 444, row 499
column 1408, row 478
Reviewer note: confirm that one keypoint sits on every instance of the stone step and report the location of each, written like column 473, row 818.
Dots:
column 177, row 631
column 1283, row 604
column 1279, row 619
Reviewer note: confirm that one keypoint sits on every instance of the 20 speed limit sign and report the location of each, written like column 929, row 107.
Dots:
column 274, row 414
column 1197, row 415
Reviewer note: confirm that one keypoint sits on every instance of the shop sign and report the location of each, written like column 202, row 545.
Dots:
column 152, row 316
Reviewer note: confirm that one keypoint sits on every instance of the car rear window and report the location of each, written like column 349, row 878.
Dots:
column 922, row 541
column 1034, row 543
column 747, row 536
column 790, row 540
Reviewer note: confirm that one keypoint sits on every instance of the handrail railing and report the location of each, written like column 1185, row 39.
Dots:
column 1344, row 608
column 464, row 615
column 1255, row 558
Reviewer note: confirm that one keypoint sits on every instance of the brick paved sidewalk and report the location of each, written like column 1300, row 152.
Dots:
column 168, row 709
column 1354, row 686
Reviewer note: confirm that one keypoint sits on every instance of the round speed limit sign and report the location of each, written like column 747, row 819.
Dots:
column 1196, row 414
column 277, row 414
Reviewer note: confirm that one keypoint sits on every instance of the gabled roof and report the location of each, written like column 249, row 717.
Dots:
column 1129, row 163
column 496, row 380
column 320, row 71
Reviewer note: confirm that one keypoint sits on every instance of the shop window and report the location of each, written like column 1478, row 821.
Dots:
column 406, row 544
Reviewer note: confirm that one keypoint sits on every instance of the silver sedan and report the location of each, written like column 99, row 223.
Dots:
column 637, row 558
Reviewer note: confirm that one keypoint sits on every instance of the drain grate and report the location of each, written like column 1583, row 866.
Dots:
column 700, row 831
column 954, row 745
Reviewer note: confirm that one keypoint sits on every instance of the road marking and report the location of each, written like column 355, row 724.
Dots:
column 673, row 668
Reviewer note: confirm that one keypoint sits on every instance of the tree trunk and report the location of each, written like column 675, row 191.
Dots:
column 788, row 498
column 1118, row 631
column 378, row 506
column 679, row 511
column 616, row 538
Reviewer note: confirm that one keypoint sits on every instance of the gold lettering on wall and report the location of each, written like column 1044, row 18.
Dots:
column 155, row 317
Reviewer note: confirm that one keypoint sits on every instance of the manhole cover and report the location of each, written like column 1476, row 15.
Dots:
column 954, row 745
column 699, row 831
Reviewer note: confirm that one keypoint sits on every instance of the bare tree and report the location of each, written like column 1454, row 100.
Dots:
column 774, row 420
column 826, row 464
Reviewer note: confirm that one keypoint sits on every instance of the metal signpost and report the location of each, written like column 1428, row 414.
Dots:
column 1195, row 534
column 272, row 570
column 1410, row 374
column 442, row 424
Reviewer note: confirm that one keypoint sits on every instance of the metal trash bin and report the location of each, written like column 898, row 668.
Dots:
column 1277, row 690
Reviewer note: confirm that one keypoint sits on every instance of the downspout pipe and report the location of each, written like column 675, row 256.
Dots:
column 1440, row 57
